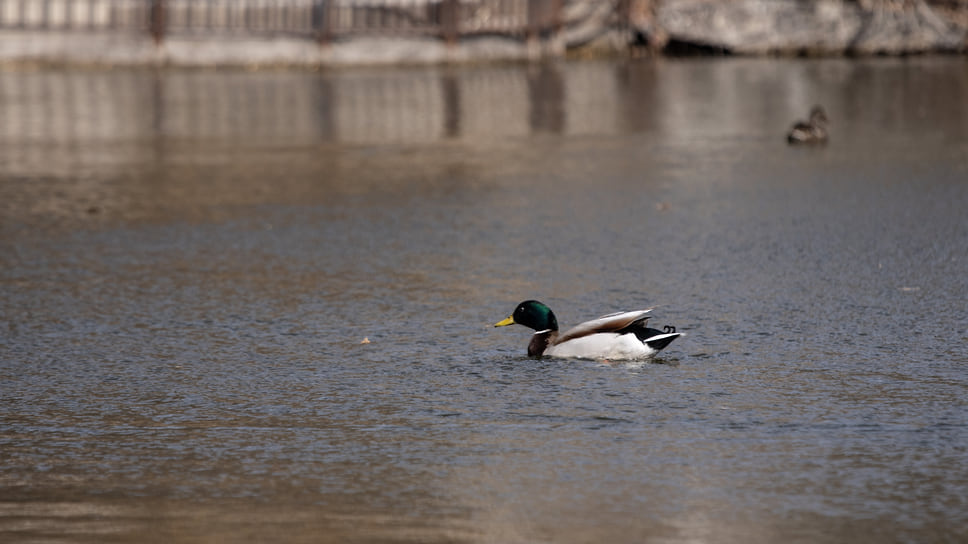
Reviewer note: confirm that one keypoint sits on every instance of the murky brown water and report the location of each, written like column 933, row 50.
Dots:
column 191, row 259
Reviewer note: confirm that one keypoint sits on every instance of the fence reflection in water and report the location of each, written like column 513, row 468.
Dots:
column 415, row 105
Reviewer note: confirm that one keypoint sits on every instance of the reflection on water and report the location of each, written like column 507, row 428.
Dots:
column 432, row 104
column 91, row 137
column 190, row 260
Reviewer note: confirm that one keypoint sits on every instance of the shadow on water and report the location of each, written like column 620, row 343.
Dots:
column 191, row 261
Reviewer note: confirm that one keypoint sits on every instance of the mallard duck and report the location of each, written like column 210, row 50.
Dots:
column 812, row 131
column 618, row 336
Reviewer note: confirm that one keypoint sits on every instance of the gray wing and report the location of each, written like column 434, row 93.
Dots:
column 607, row 323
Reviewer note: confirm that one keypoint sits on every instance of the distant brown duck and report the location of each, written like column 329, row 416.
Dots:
column 813, row 131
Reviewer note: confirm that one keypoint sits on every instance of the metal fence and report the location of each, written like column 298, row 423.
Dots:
column 323, row 20
column 75, row 14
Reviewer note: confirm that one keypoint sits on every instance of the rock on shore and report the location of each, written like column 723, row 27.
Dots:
column 755, row 27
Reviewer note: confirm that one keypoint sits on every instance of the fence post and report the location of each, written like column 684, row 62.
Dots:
column 557, row 18
column 543, row 18
column 44, row 15
column 624, row 14
column 323, row 14
column 531, row 30
column 556, row 24
column 536, row 12
column 449, row 21
column 156, row 20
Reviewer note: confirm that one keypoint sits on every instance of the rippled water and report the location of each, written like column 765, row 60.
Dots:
column 192, row 260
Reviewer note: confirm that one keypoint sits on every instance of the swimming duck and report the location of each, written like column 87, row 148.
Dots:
column 813, row 131
column 618, row 336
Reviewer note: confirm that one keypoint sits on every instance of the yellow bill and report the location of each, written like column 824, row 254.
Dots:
column 505, row 322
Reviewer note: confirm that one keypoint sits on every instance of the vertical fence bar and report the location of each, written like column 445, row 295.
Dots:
column 322, row 21
column 157, row 20
column 624, row 10
column 533, row 25
column 449, row 21
column 557, row 18
column 91, row 16
column 45, row 15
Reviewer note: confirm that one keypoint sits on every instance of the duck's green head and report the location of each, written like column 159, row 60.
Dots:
column 533, row 314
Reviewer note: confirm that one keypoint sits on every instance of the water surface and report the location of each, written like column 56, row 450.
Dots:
column 191, row 261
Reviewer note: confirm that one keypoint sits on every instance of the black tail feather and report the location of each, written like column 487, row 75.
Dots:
column 644, row 334
column 660, row 343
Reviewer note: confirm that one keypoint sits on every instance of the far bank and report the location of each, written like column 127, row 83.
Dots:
column 320, row 33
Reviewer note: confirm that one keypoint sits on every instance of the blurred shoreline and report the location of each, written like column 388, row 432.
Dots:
column 305, row 33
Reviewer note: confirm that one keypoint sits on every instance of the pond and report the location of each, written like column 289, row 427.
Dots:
column 258, row 306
